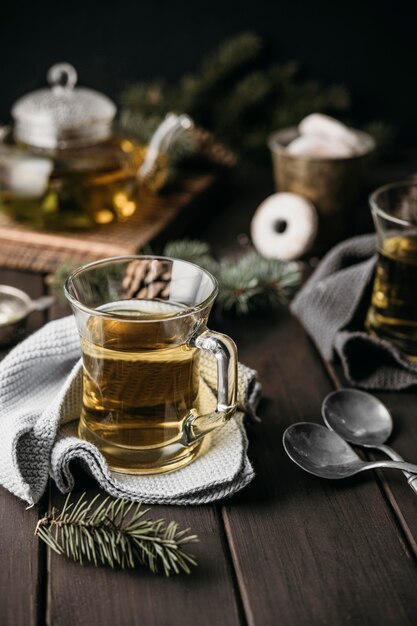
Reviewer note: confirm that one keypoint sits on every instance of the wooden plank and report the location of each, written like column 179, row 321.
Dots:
column 309, row 551
column 88, row 595
column 129, row 598
column 22, row 556
column 22, row 564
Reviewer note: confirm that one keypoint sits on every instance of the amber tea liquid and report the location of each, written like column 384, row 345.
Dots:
column 140, row 384
column 88, row 186
column 393, row 311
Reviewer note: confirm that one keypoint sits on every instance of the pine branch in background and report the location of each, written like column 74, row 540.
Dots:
column 248, row 283
column 236, row 94
column 197, row 252
column 300, row 99
column 198, row 93
column 231, row 56
column 57, row 280
column 255, row 283
column 115, row 533
column 143, row 127
column 245, row 98
column 143, row 124
column 150, row 97
column 385, row 136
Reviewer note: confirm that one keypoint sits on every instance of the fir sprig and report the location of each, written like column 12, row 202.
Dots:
column 114, row 532
column 246, row 284
column 57, row 280
column 235, row 88
column 193, row 250
column 256, row 283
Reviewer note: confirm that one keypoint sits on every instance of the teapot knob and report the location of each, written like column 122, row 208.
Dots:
column 62, row 77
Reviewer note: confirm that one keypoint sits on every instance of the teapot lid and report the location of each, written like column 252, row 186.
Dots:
column 63, row 115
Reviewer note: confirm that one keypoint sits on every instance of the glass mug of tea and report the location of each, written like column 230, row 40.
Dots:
column 393, row 311
column 142, row 325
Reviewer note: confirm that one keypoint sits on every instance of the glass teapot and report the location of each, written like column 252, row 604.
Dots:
column 62, row 166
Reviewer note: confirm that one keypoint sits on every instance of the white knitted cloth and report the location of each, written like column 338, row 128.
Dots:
column 40, row 399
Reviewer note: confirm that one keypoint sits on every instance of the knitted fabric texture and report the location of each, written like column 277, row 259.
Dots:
column 40, row 401
column 332, row 307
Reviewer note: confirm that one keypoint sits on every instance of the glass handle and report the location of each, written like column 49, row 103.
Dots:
column 160, row 141
column 225, row 352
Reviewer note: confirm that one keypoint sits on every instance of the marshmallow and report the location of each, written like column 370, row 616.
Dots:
column 326, row 127
column 284, row 226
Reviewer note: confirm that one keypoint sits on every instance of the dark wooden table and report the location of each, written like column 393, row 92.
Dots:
column 290, row 550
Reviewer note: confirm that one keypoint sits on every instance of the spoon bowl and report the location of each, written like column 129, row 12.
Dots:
column 15, row 307
column 363, row 420
column 321, row 452
column 358, row 417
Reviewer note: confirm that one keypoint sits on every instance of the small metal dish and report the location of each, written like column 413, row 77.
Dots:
column 15, row 306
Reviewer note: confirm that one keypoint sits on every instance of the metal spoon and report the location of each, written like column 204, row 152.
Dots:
column 321, row 451
column 15, row 306
column 363, row 420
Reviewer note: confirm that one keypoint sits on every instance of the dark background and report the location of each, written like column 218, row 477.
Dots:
column 370, row 46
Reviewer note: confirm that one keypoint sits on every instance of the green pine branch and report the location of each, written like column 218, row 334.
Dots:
column 198, row 93
column 255, row 283
column 115, row 533
column 234, row 88
column 249, row 283
column 302, row 98
column 195, row 251
column 385, row 136
column 242, row 100
column 231, row 56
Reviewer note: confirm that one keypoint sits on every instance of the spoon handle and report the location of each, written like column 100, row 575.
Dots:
column 40, row 304
column 411, row 478
column 401, row 465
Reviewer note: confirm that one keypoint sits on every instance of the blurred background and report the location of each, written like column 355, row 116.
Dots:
column 270, row 123
column 369, row 46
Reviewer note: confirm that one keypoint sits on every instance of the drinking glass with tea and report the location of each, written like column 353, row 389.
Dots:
column 393, row 311
column 142, row 325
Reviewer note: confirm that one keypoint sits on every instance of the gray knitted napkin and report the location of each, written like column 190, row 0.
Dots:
column 332, row 307
column 40, row 401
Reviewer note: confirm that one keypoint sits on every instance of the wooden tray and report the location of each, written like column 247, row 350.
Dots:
column 22, row 247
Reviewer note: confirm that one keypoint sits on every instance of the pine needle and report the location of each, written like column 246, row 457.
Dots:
column 116, row 533
column 256, row 283
column 192, row 250
column 250, row 283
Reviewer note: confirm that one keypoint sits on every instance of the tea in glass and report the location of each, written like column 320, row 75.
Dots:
column 393, row 311
column 138, row 387
column 142, row 323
